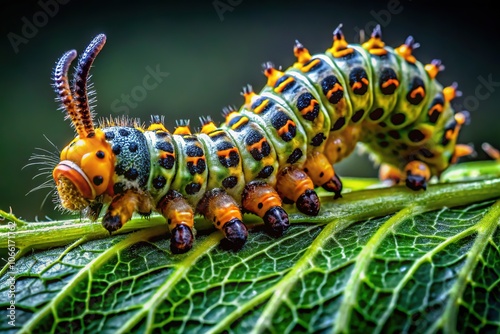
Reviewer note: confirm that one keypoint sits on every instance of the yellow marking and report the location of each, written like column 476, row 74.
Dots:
column 272, row 75
column 282, row 85
column 311, row 65
column 303, row 56
column 405, row 52
column 208, row 128
column 182, row 130
column 157, row 127
column 261, row 107
column 243, row 120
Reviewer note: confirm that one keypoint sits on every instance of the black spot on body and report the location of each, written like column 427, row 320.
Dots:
column 229, row 182
column 398, row 118
column 159, row 182
column 386, row 75
column 394, row 134
column 356, row 76
column 230, row 161
column 100, row 154
column 416, row 135
column 318, row 139
column 98, row 180
column 305, row 101
column 167, row 162
column 119, row 170
column 265, row 172
column 376, row 114
column 131, row 174
column 194, row 151
column 116, row 148
column 426, row 153
column 338, row 124
column 123, row 132
column 164, row 146
column 132, row 147
column 192, row 188
column 327, row 84
column 357, row 116
column 295, row 156
column 197, row 168
column 109, row 135
column 384, row 143
column 279, row 120
column 118, row 188
column 416, row 83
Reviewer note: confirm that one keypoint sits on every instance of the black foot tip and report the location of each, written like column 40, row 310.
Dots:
column 416, row 182
column 334, row 185
column 181, row 240
column 308, row 203
column 236, row 234
column 111, row 223
column 276, row 220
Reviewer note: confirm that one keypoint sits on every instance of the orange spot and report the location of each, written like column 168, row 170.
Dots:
column 194, row 160
column 309, row 108
column 257, row 145
column 335, row 88
column 417, row 91
column 282, row 85
column 389, row 82
column 226, row 153
column 437, row 107
column 286, row 128
column 358, row 84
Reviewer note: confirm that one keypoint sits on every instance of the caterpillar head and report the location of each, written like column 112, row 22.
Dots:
column 85, row 169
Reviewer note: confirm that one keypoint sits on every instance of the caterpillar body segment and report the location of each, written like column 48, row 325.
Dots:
column 275, row 149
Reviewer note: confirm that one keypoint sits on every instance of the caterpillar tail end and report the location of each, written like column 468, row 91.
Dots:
column 182, row 239
column 276, row 220
column 308, row 203
column 235, row 233
column 334, row 185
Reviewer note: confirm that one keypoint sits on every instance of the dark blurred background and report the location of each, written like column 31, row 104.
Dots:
column 210, row 50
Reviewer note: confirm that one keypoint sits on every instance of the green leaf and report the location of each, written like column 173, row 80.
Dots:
column 380, row 260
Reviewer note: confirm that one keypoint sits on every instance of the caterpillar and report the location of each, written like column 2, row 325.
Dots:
column 277, row 148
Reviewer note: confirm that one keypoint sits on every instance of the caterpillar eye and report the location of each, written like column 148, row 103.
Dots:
column 71, row 172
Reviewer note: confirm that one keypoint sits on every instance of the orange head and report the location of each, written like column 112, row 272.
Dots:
column 87, row 163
